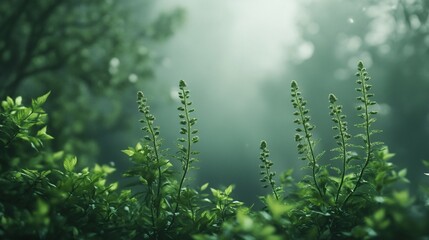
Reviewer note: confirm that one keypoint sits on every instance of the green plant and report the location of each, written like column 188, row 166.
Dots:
column 169, row 203
column 21, row 128
column 267, row 174
column 331, row 202
column 356, row 200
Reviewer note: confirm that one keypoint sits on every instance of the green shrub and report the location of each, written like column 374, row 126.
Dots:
column 352, row 197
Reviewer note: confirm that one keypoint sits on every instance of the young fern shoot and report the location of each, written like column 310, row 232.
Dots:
column 153, row 149
column 303, row 136
column 186, row 154
column 267, row 174
column 366, row 115
column 341, row 138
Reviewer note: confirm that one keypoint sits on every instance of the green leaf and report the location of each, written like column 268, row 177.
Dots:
column 379, row 215
column 403, row 198
column 276, row 207
column 43, row 135
column 182, row 84
column 139, row 147
column 129, row 152
column 204, row 187
column 70, row 163
column 229, row 189
column 402, row 173
column 18, row 100
column 40, row 100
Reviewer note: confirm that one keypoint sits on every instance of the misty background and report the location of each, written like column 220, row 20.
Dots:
column 238, row 59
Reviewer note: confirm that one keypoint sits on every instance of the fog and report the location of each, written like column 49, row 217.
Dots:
column 238, row 58
column 226, row 51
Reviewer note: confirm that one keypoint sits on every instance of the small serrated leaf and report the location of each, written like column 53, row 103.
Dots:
column 70, row 163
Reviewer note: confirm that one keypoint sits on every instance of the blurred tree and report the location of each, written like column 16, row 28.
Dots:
column 330, row 45
column 404, row 59
column 392, row 38
column 86, row 52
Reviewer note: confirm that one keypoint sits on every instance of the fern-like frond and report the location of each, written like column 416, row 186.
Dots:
column 366, row 114
column 304, row 137
column 266, row 173
column 342, row 137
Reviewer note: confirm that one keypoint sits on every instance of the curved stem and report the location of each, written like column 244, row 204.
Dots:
column 155, row 149
column 344, row 153
column 187, row 157
column 310, row 144
column 367, row 138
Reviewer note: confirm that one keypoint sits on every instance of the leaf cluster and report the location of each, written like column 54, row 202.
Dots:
column 356, row 200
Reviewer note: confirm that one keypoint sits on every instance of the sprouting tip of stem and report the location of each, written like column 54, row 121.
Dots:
column 140, row 95
column 182, row 84
column 263, row 144
column 360, row 65
column 332, row 98
column 293, row 84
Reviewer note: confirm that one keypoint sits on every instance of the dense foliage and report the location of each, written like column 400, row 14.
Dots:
column 88, row 54
column 355, row 196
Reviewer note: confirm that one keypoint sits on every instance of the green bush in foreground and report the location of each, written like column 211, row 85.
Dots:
column 351, row 197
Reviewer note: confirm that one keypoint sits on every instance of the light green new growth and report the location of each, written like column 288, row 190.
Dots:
column 189, row 137
column 152, row 137
column 267, row 174
column 368, row 120
column 303, row 137
column 342, row 137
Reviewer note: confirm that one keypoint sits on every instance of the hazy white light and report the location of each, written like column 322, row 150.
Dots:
column 166, row 62
column 383, row 108
column 313, row 28
column 113, row 65
column 354, row 43
column 341, row 74
column 351, row 20
column 364, row 56
column 133, row 78
column 414, row 21
column 114, row 62
column 174, row 94
column 305, row 51
column 384, row 49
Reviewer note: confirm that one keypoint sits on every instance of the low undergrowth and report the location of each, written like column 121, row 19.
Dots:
column 354, row 196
